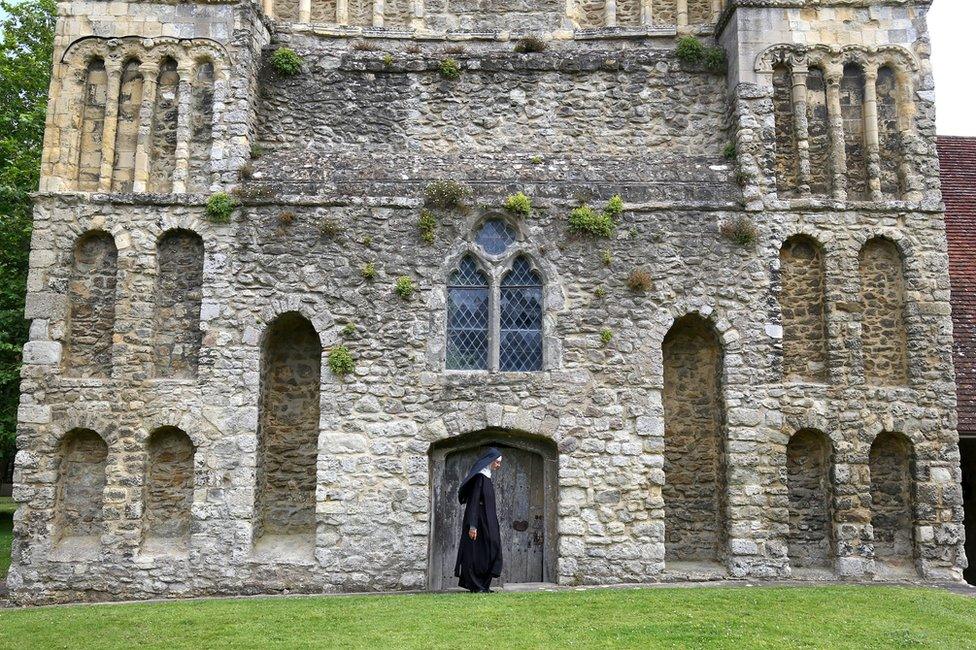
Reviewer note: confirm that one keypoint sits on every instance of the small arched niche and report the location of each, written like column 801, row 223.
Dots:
column 892, row 504
column 168, row 492
column 176, row 304
column 91, row 306
column 884, row 337
column 526, row 489
column 801, row 301
column 79, row 516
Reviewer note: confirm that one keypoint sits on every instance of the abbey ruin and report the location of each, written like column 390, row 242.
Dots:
column 280, row 296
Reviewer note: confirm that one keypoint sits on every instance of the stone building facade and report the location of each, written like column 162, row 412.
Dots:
column 750, row 377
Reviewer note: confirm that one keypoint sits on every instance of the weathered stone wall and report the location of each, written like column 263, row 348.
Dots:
column 93, row 122
column 891, row 144
column 883, row 332
column 127, row 129
column 694, row 467
column 81, row 481
column 201, row 143
column 892, row 507
column 169, row 490
column 819, row 128
column 162, row 161
column 177, row 297
column 808, row 479
column 91, row 300
column 787, row 157
column 350, row 143
column 664, row 12
column 801, row 300
column 852, row 112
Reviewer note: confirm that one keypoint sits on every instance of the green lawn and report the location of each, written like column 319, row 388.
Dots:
column 7, row 507
column 735, row 617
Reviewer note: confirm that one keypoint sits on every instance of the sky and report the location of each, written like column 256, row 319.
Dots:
column 950, row 24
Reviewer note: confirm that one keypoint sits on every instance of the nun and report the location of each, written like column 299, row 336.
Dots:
column 479, row 557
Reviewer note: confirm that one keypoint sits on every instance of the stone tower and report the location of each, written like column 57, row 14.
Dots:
column 740, row 367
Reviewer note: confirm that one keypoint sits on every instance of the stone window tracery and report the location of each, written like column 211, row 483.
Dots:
column 495, row 305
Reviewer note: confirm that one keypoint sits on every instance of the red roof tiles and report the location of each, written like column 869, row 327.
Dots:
column 957, row 158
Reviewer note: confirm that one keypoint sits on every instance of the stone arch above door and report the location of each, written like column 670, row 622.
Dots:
column 527, row 496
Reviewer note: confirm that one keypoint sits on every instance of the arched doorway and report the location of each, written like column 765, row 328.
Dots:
column 526, row 493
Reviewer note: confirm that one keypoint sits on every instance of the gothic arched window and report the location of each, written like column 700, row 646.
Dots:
column 520, row 334
column 494, row 305
column 467, row 317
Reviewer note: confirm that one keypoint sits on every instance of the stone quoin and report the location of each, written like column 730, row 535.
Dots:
column 750, row 377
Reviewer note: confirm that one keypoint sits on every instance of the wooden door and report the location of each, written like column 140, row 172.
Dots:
column 520, row 496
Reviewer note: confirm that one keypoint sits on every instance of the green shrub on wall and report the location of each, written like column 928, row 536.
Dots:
column 586, row 220
column 404, row 287
column 341, row 362
column 427, row 225
column 445, row 194
column 450, row 69
column 286, row 61
column 519, row 204
column 692, row 52
column 220, row 206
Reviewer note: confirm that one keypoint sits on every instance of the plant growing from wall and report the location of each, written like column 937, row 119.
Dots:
column 531, row 44
column 286, row 61
column 427, row 225
column 220, row 206
column 606, row 335
column 329, row 227
column 450, row 69
column 349, row 330
column 286, row 217
column 600, row 292
column 639, row 281
column 368, row 271
column 693, row 53
column 606, row 257
column 729, row 151
column 519, row 204
column 445, row 194
column 586, row 220
column 387, row 59
column 404, row 287
column 741, row 231
column 256, row 151
column 341, row 362
column 367, row 241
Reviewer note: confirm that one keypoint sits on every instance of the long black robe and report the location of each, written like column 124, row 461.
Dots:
column 479, row 560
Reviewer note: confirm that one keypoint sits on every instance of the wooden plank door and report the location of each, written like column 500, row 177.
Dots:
column 520, row 497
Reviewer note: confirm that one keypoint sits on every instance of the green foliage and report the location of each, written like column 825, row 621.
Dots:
column 220, row 206
column 341, row 362
column 600, row 292
column 26, row 40
column 531, row 44
column 368, row 271
column 586, row 220
column 445, row 194
column 349, row 330
column 536, row 159
column 387, row 59
column 639, row 281
column 286, row 61
column 427, row 225
column 367, row 241
column 606, row 257
column 450, row 69
column 606, row 335
column 256, row 151
column 729, row 151
column 692, row 52
column 519, row 204
column 404, row 287
column 330, row 228
column 741, row 231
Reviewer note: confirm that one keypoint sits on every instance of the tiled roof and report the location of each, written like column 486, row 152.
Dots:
column 957, row 158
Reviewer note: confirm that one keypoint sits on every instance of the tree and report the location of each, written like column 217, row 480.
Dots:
column 26, row 51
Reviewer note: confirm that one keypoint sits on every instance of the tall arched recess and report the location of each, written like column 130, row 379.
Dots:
column 694, row 446
column 801, row 301
column 288, row 432
column 176, row 310
column 884, row 337
column 91, row 307
column 526, row 491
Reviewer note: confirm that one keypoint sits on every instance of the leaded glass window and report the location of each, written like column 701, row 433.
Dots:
column 467, row 317
column 495, row 236
column 520, row 333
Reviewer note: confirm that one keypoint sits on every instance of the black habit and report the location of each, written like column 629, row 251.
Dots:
column 479, row 560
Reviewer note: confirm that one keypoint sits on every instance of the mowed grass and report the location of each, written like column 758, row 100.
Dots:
column 712, row 617
column 7, row 507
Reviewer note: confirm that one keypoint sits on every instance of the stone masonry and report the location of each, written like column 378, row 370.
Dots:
column 751, row 377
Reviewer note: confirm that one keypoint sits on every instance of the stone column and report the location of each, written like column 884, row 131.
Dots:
column 183, row 132
column 569, row 18
column 647, row 12
column 838, row 157
column 113, row 72
column 911, row 181
column 379, row 8
column 342, row 12
column 268, row 6
column 682, row 16
column 305, row 11
column 150, row 77
column 871, row 140
column 610, row 13
column 802, row 127
column 716, row 10
column 417, row 22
